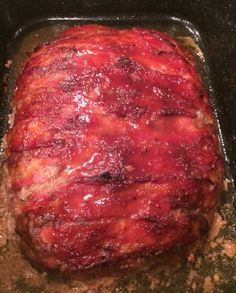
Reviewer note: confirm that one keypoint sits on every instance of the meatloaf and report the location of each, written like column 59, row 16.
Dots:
column 112, row 151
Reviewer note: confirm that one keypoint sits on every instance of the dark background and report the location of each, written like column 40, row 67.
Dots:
column 216, row 21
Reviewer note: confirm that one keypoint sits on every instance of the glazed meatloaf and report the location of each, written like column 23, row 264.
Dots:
column 112, row 151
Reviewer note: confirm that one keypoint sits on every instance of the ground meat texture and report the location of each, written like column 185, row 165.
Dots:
column 113, row 150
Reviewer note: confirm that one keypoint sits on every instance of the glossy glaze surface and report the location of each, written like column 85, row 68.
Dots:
column 113, row 150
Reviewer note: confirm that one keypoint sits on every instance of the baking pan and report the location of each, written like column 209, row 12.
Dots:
column 209, row 29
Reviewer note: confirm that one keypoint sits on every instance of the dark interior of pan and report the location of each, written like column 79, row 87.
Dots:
column 211, row 26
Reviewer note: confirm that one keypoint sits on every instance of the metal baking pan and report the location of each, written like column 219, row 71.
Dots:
column 209, row 29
